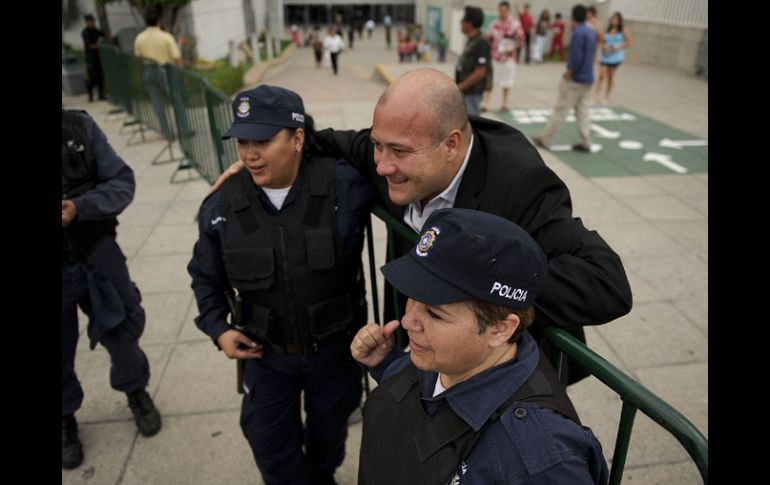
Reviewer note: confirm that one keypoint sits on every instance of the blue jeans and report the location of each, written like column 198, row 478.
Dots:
column 156, row 81
column 472, row 103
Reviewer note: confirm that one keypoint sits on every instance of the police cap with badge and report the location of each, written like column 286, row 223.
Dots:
column 260, row 113
column 464, row 254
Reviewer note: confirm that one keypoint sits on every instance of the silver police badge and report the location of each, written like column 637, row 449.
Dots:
column 426, row 241
column 244, row 108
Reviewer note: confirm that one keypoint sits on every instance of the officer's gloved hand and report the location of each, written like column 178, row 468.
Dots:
column 236, row 345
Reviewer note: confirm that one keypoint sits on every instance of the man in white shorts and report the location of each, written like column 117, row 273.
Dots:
column 504, row 35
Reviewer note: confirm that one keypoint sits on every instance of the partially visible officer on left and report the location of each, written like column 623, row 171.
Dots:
column 96, row 186
column 287, row 234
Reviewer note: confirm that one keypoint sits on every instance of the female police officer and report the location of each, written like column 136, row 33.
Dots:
column 473, row 401
column 287, row 235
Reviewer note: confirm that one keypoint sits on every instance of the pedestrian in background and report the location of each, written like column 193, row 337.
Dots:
column 614, row 44
column 91, row 37
column 575, row 85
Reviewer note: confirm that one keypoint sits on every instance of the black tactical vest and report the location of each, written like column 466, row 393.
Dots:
column 403, row 444
column 78, row 175
column 295, row 284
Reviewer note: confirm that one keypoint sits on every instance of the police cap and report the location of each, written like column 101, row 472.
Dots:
column 464, row 254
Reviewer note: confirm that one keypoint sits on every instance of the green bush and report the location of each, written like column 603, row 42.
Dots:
column 225, row 78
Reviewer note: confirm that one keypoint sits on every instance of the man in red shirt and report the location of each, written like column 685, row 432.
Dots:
column 558, row 37
column 526, row 24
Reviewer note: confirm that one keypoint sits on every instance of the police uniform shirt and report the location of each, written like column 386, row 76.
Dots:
column 115, row 183
column 533, row 446
column 355, row 197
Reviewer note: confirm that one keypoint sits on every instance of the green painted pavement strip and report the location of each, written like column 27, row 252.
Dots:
column 624, row 143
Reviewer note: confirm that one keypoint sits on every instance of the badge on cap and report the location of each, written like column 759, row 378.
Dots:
column 426, row 241
column 244, row 108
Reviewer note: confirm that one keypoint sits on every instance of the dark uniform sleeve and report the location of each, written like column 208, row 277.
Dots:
column 545, row 448
column 354, row 146
column 585, row 283
column 355, row 198
column 209, row 279
column 394, row 362
column 115, row 185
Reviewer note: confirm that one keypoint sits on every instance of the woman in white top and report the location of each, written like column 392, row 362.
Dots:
column 333, row 44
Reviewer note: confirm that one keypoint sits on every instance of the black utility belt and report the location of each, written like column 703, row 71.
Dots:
column 284, row 349
column 324, row 322
column 72, row 256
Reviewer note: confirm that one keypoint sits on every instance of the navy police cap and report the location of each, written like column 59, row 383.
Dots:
column 464, row 254
column 262, row 112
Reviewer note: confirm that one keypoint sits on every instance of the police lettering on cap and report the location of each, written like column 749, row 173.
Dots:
column 464, row 254
column 262, row 112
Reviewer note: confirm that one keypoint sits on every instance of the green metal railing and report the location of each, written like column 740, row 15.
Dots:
column 116, row 76
column 634, row 395
column 177, row 104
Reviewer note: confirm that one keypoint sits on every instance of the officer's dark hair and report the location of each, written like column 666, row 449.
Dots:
column 310, row 147
column 88, row 17
column 579, row 13
column 489, row 313
column 151, row 16
column 504, row 3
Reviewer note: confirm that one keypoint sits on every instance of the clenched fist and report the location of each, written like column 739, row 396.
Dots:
column 68, row 212
column 373, row 343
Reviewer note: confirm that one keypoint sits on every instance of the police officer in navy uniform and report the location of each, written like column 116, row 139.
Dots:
column 282, row 242
column 474, row 401
column 97, row 186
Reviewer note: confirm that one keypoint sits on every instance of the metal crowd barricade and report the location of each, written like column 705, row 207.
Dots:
column 176, row 103
column 634, row 395
column 116, row 67
column 152, row 101
column 202, row 115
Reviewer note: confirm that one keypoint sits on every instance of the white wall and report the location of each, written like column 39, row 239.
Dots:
column 216, row 22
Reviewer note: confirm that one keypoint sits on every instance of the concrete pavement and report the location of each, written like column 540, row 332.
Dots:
column 658, row 224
